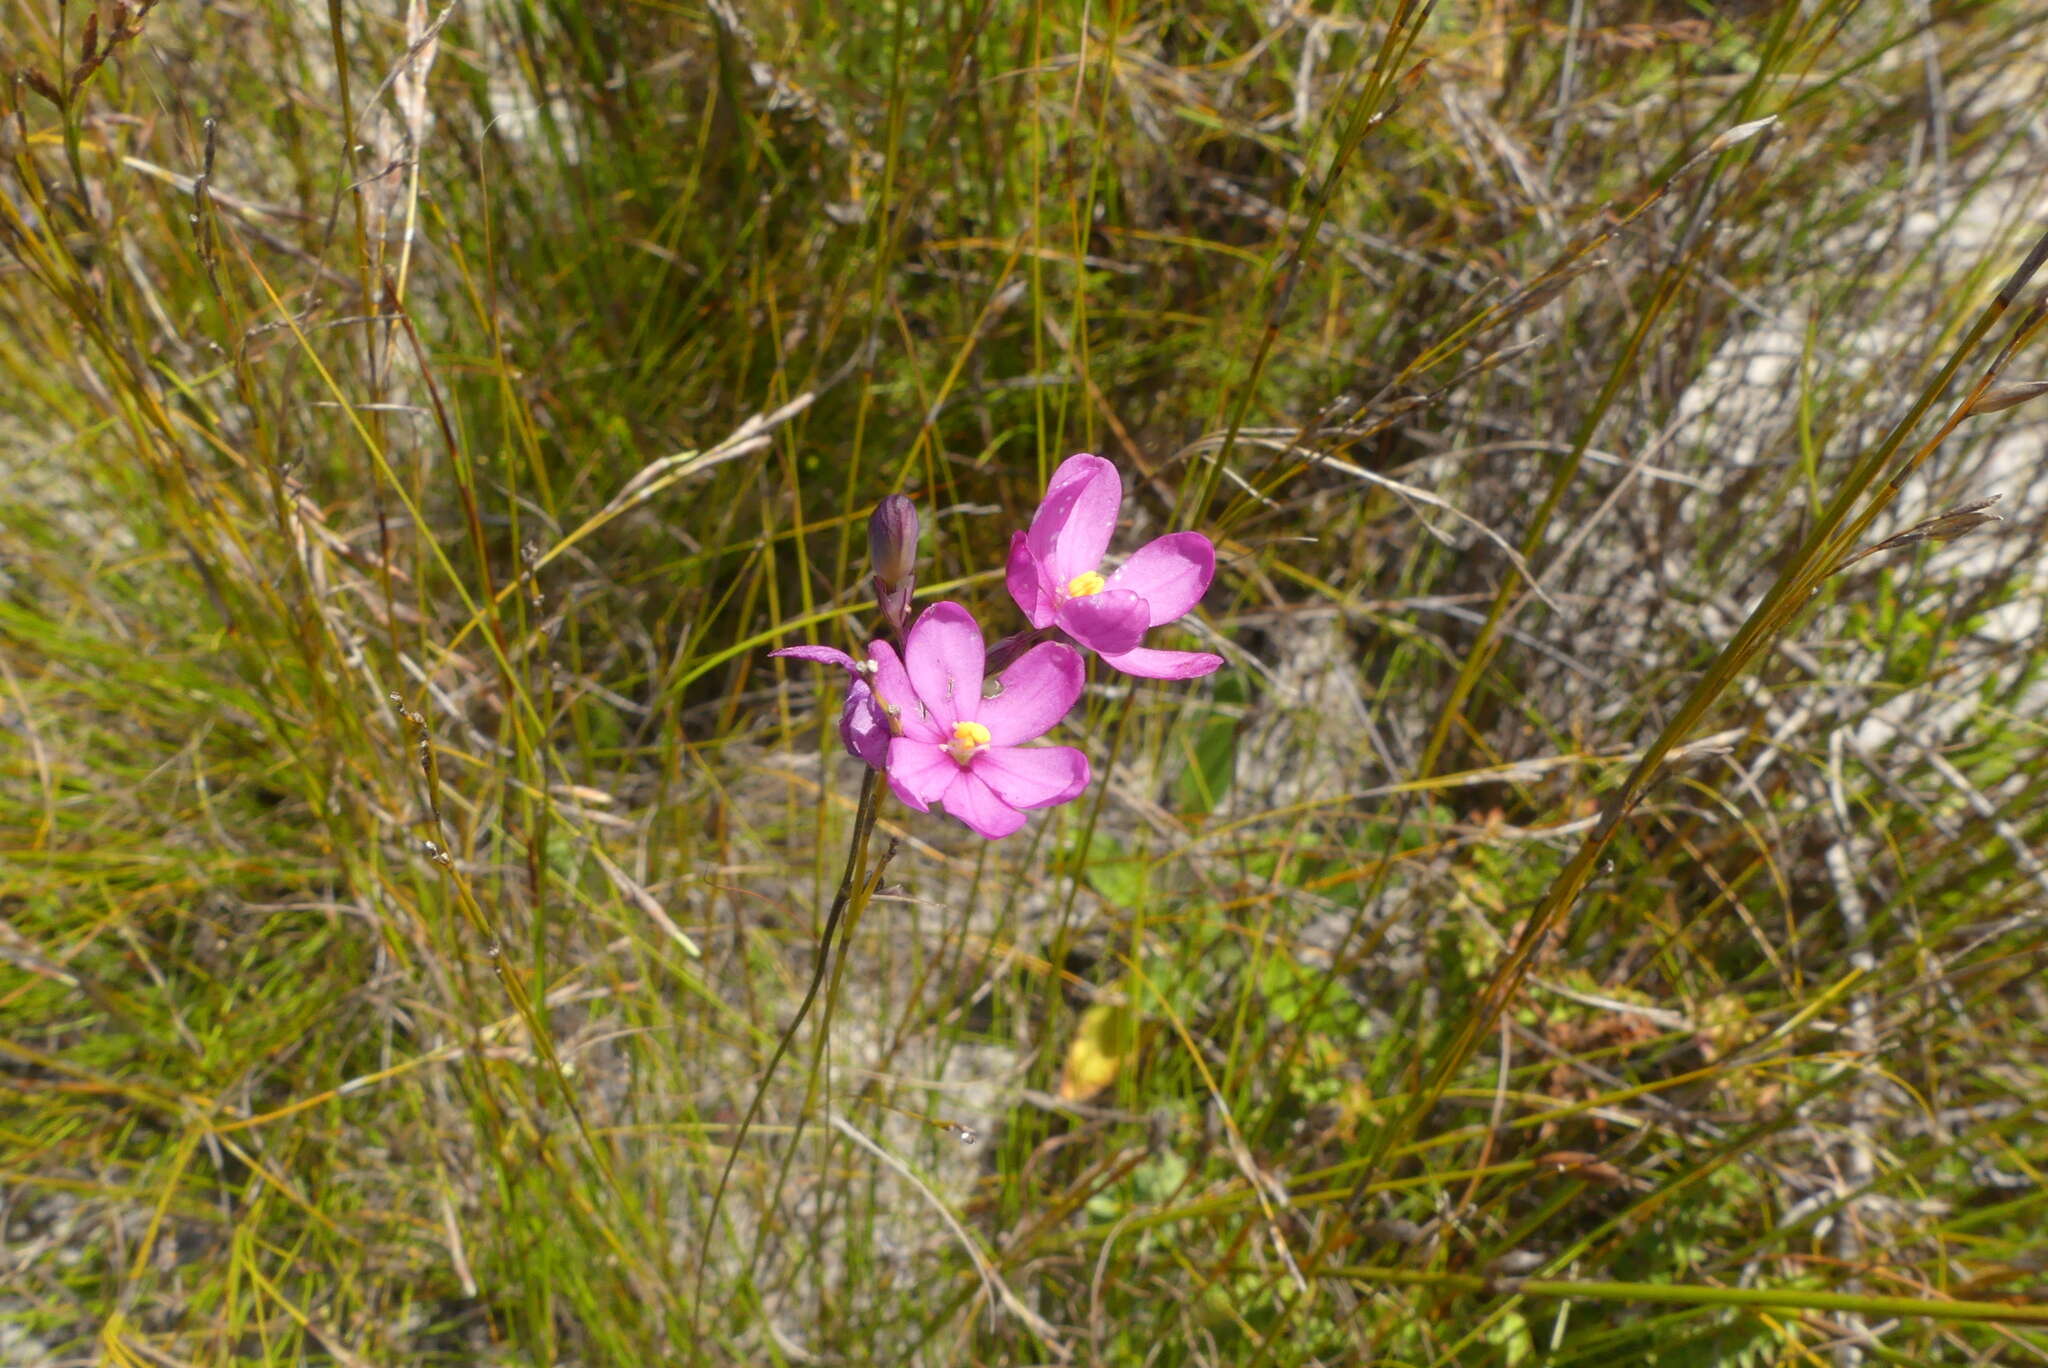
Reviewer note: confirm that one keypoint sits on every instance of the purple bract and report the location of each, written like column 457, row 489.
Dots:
column 863, row 726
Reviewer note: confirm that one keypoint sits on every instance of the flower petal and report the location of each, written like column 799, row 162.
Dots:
column 1147, row 664
column 1029, row 586
column 972, row 802
column 863, row 727
column 1032, row 776
column 1170, row 574
column 819, row 655
column 920, row 772
column 945, row 656
column 893, row 688
column 1073, row 526
column 1111, row 621
column 1038, row 691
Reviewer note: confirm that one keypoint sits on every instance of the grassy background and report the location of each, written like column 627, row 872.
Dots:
column 1576, row 927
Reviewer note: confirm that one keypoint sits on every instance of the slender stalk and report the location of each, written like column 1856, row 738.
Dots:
column 867, row 882
column 856, row 859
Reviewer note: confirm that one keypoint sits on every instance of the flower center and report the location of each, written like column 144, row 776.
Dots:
column 1082, row 585
column 968, row 740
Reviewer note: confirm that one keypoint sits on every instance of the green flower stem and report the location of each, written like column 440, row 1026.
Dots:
column 856, row 862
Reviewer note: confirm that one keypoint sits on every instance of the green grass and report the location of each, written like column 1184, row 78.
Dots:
column 1578, row 926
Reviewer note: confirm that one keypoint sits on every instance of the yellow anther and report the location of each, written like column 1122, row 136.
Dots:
column 968, row 737
column 1082, row 585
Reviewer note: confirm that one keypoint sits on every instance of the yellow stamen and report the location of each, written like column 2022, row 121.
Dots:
column 1081, row 586
column 968, row 737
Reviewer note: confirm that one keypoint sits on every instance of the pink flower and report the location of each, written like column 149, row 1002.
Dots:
column 961, row 750
column 1054, row 574
column 863, row 726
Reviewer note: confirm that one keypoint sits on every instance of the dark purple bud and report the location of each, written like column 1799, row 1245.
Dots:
column 864, row 727
column 1005, row 652
column 892, row 549
column 892, row 541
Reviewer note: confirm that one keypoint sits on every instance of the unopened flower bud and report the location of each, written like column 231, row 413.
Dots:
column 863, row 726
column 892, row 540
column 892, row 550
column 1004, row 653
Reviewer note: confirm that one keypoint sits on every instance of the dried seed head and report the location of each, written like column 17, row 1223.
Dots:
column 1944, row 527
column 1579, row 1164
column 2007, row 396
column 1395, row 1230
column 1741, row 133
column 41, row 85
column 1516, row 1262
column 1960, row 522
